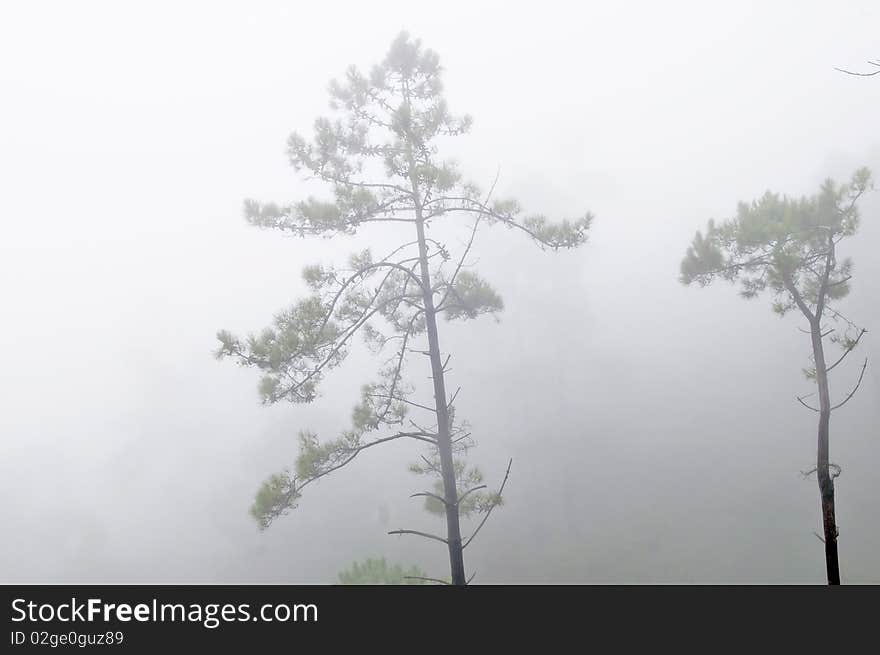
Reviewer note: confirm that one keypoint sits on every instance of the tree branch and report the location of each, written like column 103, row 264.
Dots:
column 847, row 351
column 489, row 511
column 856, row 388
column 469, row 491
column 420, row 534
column 419, row 577
column 428, row 494
column 800, row 399
column 830, row 262
column 470, row 243
column 871, row 74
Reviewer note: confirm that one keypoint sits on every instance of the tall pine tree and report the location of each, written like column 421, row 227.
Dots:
column 789, row 247
column 379, row 157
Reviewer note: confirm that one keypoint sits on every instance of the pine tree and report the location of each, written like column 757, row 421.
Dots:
column 788, row 246
column 379, row 157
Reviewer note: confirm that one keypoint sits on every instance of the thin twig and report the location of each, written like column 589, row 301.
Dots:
column 489, row 511
column 420, row 534
column 856, row 388
column 465, row 494
column 428, row 494
column 847, row 351
column 419, row 577
column 800, row 399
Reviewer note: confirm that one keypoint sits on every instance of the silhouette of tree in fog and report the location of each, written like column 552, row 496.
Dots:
column 378, row 156
column 788, row 246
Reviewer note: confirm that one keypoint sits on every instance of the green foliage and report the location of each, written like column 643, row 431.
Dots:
column 473, row 499
column 469, row 296
column 377, row 155
column 301, row 338
column 784, row 245
column 376, row 571
column 274, row 498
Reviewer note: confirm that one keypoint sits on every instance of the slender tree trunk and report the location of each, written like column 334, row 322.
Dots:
column 823, row 470
column 444, row 437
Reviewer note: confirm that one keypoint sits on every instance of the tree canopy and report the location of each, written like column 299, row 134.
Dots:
column 783, row 245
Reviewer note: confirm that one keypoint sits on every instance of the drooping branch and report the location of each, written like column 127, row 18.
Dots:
column 350, row 453
column 280, row 492
column 565, row 234
column 316, row 218
column 328, row 350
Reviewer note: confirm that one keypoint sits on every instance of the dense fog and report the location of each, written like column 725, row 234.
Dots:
column 653, row 427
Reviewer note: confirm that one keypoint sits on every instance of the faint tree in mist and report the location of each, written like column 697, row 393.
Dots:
column 789, row 247
column 372, row 571
column 378, row 156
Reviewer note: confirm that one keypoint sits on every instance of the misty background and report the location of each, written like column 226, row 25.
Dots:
column 653, row 427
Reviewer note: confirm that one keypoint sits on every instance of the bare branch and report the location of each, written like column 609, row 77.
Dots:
column 419, row 577
column 401, row 400
column 428, row 494
column 857, row 74
column 856, row 388
column 800, row 399
column 461, row 438
column 847, row 351
column 470, row 243
column 807, row 474
column 420, row 534
column 429, row 464
column 465, row 494
column 489, row 511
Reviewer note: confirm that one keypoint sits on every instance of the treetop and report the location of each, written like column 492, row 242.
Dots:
column 784, row 244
